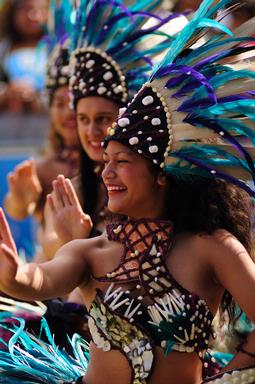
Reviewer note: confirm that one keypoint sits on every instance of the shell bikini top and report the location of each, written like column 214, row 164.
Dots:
column 157, row 311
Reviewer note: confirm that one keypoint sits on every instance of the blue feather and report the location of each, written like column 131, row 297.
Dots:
column 29, row 359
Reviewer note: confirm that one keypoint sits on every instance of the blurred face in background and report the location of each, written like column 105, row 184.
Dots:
column 94, row 116
column 29, row 16
column 63, row 118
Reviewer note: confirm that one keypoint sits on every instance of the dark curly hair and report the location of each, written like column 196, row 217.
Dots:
column 200, row 205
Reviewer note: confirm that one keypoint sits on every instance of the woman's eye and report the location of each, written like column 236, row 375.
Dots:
column 83, row 120
column 104, row 120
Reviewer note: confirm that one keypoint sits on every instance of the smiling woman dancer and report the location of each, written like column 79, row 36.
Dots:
column 154, row 282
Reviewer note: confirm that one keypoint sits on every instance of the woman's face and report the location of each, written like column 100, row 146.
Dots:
column 133, row 189
column 63, row 118
column 94, row 116
column 29, row 16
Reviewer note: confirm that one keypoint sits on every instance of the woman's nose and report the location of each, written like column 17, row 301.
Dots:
column 108, row 172
column 94, row 130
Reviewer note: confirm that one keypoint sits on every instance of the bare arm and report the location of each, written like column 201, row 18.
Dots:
column 234, row 269
column 40, row 281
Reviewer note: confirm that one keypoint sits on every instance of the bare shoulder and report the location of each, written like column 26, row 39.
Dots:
column 223, row 240
column 223, row 247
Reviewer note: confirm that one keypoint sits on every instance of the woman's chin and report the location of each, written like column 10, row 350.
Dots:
column 117, row 209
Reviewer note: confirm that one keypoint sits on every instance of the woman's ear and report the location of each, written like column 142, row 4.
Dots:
column 161, row 180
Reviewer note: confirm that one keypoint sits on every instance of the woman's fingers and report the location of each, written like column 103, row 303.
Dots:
column 64, row 191
column 51, row 202
column 11, row 180
column 56, row 196
column 7, row 251
column 73, row 198
column 5, row 232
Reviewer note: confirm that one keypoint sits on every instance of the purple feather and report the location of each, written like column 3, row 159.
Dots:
column 199, row 77
column 212, row 124
column 144, row 32
column 219, row 174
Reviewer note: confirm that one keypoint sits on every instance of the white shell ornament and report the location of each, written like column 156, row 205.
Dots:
column 156, row 121
column 123, row 122
column 90, row 63
column 133, row 141
column 122, row 111
column 153, row 149
column 118, row 89
column 101, row 90
column 107, row 76
column 147, row 100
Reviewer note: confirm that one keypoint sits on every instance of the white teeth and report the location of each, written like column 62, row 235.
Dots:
column 115, row 188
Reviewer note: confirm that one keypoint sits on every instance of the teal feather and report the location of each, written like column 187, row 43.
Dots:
column 214, row 43
column 237, row 127
column 182, row 38
column 207, row 23
column 246, row 106
column 30, row 358
column 222, row 79
column 212, row 156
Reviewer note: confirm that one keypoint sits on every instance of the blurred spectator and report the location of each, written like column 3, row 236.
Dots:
column 22, row 63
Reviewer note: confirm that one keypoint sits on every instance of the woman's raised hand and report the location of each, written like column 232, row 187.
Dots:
column 69, row 220
column 8, row 254
column 24, row 190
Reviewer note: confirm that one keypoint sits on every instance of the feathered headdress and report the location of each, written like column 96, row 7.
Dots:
column 196, row 115
column 59, row 28
column 110, row 58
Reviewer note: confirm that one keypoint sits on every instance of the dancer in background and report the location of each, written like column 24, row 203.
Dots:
column 31, row 180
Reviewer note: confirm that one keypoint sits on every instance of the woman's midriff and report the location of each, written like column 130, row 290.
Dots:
column 113, row 368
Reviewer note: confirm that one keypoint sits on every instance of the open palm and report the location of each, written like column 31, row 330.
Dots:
column 24, row 185
column 69, row 220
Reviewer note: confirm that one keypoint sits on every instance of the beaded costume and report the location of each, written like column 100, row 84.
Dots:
column 135, row 320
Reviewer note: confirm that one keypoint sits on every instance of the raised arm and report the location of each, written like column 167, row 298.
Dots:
column 39, row 281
